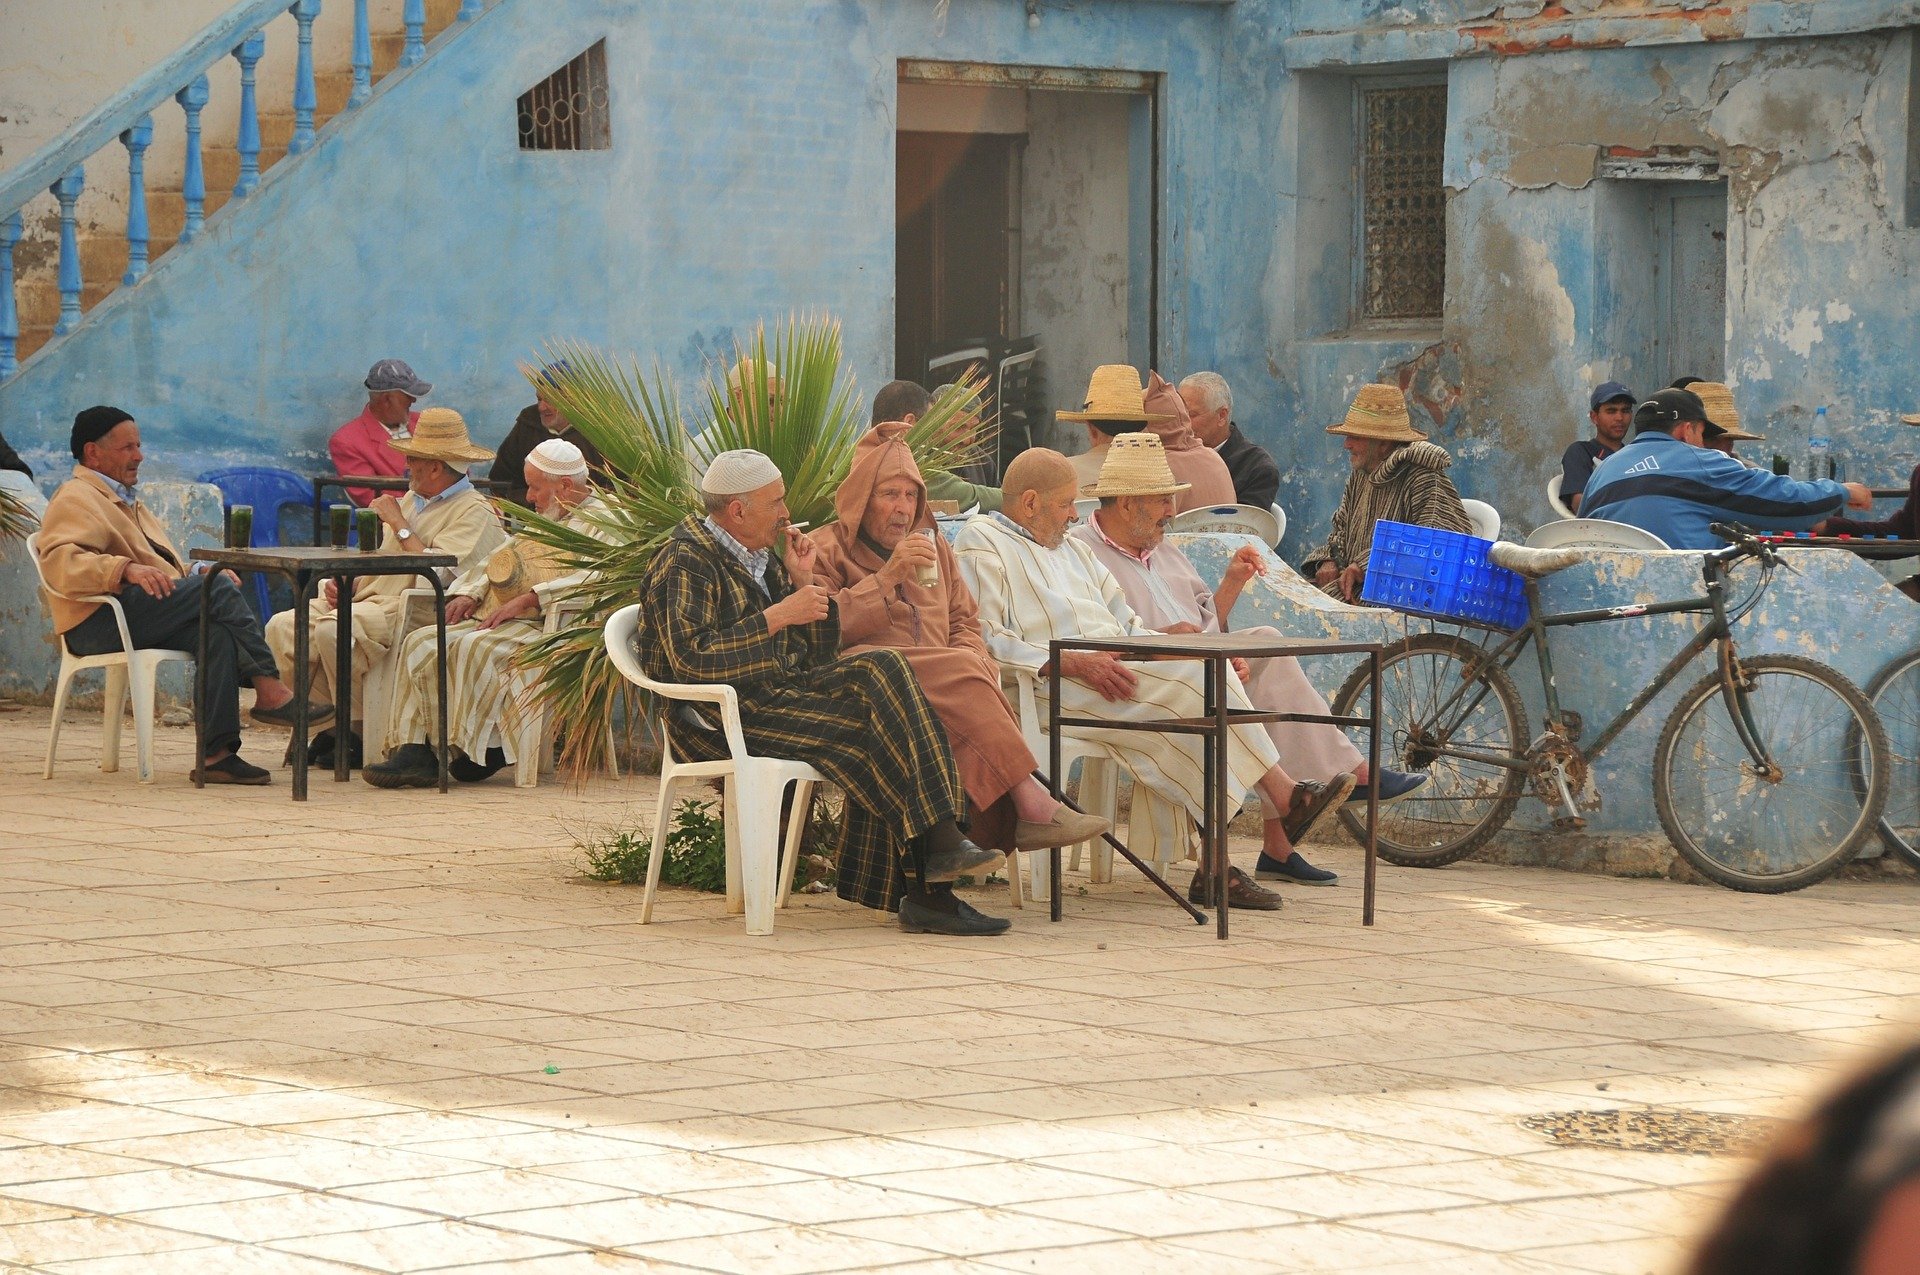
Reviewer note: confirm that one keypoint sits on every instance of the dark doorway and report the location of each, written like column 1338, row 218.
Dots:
column 954, row 216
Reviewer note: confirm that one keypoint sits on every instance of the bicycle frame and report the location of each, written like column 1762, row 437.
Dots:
column 1719, row 629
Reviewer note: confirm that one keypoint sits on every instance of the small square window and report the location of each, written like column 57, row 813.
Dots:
column 1403, row 132
column 568, row 111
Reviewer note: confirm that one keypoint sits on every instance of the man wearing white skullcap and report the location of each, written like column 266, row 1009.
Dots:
column 717, row 606
column 493, row 611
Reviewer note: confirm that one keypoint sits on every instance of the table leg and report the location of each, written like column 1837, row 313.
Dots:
column 1373, row 795
column 343, row 683
column 1217, row 774
column 302, row 680
column 200, row 694
column 440, row 640
column 1053, row 769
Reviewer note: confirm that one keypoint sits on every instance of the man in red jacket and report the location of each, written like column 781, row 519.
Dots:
column 360, row 447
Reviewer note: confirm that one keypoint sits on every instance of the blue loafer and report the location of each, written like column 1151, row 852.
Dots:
column 1294, row 869
column 1394, row 784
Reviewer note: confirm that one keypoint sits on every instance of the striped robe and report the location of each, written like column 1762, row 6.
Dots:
column 862, row 721
column 1410, row 486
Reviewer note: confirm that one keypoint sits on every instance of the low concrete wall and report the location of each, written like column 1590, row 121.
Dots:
column 29, row 656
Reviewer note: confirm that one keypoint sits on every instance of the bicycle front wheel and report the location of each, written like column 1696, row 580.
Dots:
column 1896, row 698
column 1764, row 835
column 1433, row 709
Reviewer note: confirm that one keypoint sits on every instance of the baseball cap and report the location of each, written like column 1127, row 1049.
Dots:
column 1608, row 392
column 392, row 374
column 1668, row 408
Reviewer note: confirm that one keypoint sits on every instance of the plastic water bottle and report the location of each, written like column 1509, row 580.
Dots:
column 1819, row 448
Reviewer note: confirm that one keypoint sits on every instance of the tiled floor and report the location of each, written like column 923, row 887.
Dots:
column 399, row 1032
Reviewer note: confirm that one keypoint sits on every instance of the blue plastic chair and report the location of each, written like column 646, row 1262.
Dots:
column 268, row 491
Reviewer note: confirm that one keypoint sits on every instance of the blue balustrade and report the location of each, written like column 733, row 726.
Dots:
column 193, row 177
column 362, row 55
column 304, row 100
column 136, row 140
column 469, row 10
column 67, row 191
column 9, row 311
column 413, row 16
column 247, row 139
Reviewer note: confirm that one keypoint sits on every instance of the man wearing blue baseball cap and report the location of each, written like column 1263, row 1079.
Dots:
column 534, row 426
column 1610, row 408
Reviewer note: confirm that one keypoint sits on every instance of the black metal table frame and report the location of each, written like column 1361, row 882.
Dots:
column 303, row 578
column 1212, row 729
column 375, row 482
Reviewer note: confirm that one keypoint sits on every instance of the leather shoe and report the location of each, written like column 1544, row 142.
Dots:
column 317, row 715
column 1394, row 784
column 408, row 766
column 1242, row 894
column 949, row 865
column 1293, row 868
column 232, row 770
column 944, row 914
column 1067, row 828
column 1313, row 801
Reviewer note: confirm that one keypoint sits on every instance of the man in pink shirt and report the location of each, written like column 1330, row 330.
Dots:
column 361, row 445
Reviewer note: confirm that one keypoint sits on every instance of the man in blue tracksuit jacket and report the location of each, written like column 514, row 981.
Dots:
column 1665, row 481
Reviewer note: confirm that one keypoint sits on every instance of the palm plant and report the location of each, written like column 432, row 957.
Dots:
column 16, row 520
column 788, row 395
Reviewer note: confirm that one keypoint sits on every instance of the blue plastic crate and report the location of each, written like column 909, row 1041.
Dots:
column 1442, row 575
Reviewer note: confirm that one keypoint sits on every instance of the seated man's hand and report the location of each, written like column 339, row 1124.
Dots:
column 151, row 581
column 1325, row 575
column 1246, row 563
column 461, row 608
column 1240, row 669
column 1103, row 671
column 330, row 591
column 387, row 505
column 805, row 605
column 1182, row 627
column 1859, row 496
column 527, row 603
column 1350, row 581
column 913, row 552
column 802, row 554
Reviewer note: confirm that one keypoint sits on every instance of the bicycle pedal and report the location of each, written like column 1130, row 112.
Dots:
column 1568, row 823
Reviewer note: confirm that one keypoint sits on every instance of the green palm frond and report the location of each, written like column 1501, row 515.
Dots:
column 806, row 416
column 16, row 520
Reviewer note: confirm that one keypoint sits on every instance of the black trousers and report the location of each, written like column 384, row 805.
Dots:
column 236, row 649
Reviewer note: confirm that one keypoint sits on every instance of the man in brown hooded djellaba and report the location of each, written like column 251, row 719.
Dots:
column 897, row 585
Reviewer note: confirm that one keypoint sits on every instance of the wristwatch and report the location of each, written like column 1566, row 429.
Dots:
column 404, row 534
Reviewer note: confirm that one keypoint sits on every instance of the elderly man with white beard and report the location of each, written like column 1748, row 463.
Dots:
column 493, row 611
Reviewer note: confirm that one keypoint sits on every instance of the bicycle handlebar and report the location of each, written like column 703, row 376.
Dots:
column 1745, row 545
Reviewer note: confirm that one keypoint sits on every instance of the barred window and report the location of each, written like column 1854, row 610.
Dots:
column 567, row 111
column 1403, row 202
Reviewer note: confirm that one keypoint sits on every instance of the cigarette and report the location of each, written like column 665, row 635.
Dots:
column 798, row 526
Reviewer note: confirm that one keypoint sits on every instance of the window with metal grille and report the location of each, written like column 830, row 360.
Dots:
column 1403, row 132
column 567, row 111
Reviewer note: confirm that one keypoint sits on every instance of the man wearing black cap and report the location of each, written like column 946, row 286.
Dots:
column 1610, row 408
column 97, row 538
column 1668, row 482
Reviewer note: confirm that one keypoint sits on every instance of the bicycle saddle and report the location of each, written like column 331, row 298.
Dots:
column 1533, row 563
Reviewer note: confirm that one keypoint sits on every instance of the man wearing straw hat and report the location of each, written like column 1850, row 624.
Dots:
column 1723, row 418
column 493, row 613
column 1117, row 403
column 1128, row 535
column 1035, row 583
column 1397, row 475
column 719, row 607
column 440, row 513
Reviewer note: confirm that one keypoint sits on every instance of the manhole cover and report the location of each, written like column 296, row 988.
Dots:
column 1673, row 1132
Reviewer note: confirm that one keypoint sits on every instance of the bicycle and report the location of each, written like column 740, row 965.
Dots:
column 1770, row 773
column 1895, row 696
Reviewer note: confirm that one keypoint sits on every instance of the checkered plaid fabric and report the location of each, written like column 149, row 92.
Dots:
column 863, row 721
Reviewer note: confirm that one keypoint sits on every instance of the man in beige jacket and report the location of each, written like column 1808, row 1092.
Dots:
column 441, row 513
column 97, row 538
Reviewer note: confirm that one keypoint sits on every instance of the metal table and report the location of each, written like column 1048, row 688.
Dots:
column 303, row 565
column 1214, row 650
column 373, row 482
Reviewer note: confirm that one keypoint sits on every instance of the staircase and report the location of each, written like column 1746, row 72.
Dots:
column 104, row 247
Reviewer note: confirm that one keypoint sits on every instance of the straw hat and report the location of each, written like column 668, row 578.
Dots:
column 1115, row 393
column 1718, row 400
column 1379, row 411
column 441, row 434
column 1136, row 465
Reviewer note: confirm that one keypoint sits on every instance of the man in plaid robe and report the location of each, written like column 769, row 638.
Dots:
column 720, row 608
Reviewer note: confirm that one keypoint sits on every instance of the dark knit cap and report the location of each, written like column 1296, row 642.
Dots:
column 93, row 425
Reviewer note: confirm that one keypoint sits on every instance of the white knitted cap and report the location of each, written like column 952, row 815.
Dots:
column 736, row 473
column 560, row 458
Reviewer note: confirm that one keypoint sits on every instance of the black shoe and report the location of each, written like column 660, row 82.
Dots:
column 929, row 916
column 320, row 751
column 317, row 715
column 1242, row 894
column 1293, row 868
column 231, row 770
column 949, row 865
column 469, row 771
column 408, row 766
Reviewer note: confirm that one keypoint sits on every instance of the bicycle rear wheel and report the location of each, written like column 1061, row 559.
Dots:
column 1428, row 703
column 1895, row 694
column 1765, row 836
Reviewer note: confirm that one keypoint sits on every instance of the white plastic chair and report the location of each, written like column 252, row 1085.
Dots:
column 130, row 670
column 1593, row 533
column 1553, row 497
column 1280, row 525
column 1245, row 520
column 1484, row 517
column 752, row 789
column 1084, row 507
